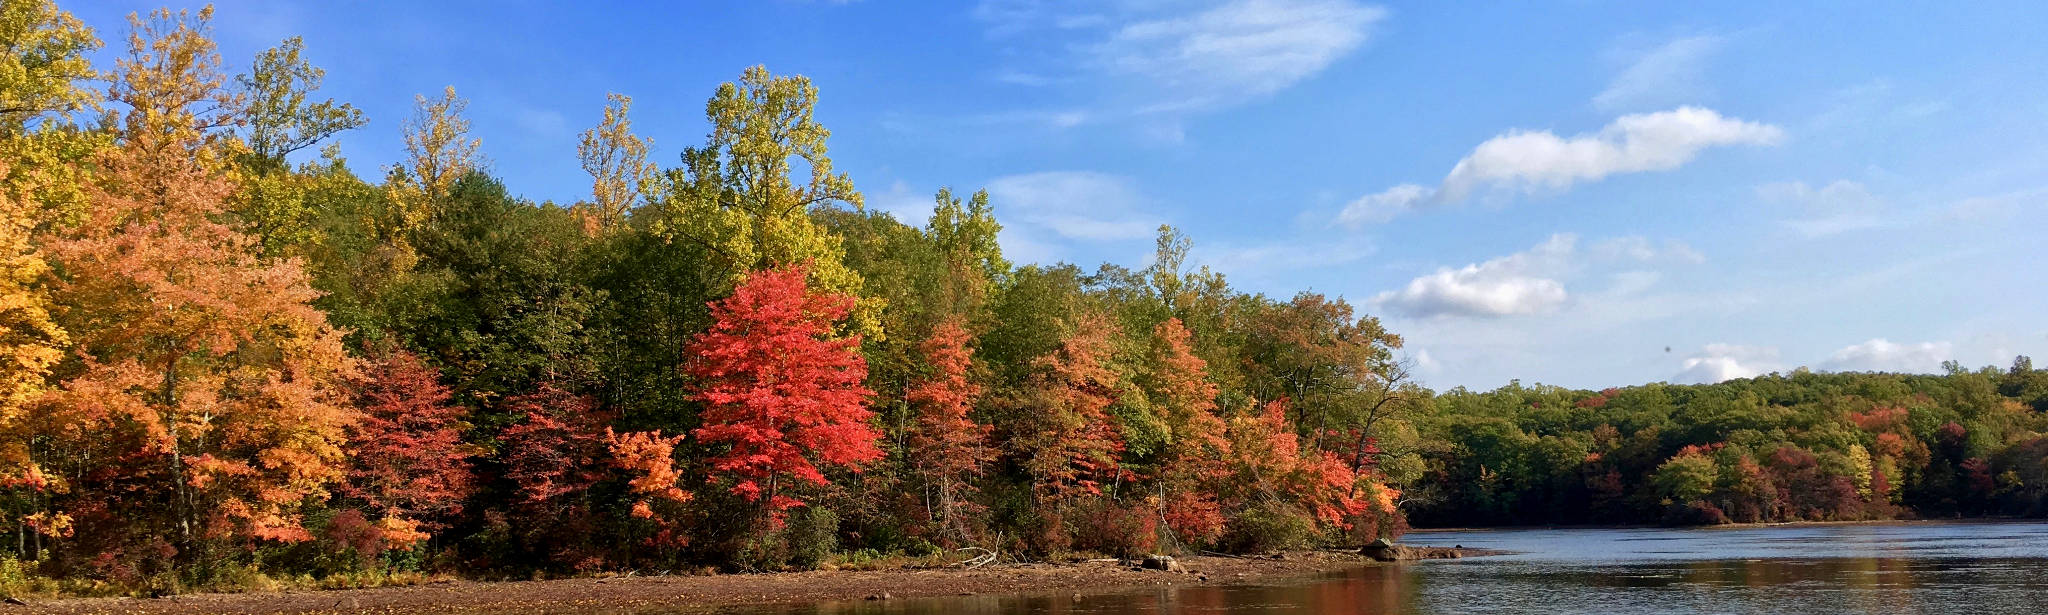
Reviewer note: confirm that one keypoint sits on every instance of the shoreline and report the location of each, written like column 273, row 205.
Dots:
column 1730, row 526
column 671, row 594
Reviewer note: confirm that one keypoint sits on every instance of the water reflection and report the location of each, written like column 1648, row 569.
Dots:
column 1963, row 568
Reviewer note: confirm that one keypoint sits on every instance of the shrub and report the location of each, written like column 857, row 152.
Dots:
column 1269, row 526
column 812, row 534
column 1119, row 530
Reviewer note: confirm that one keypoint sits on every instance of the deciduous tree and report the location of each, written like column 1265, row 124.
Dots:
column 782, row 396
column 1194, row 461
column 948, row 448
column 617, row 163
column 439, row 152
column 279, row 119
column 1071, row 446
column 407, row 460
column 740, row 197
column 196, row 356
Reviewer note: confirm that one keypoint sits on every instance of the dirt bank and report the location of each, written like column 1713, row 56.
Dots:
column 666, row 594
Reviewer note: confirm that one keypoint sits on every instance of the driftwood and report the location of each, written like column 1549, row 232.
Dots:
column 977, row 561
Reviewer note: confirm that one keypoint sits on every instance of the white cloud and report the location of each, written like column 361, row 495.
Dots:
column 1509, row 285
column 1636, row 143
column 1721, row 362
column 1424, row 363
column 1840, row 194
column 1838, row 207
column 1833, row 225
column 1259, row 262
column 1135, row 58
column 1534, row 161
column 1991, row 207
column 1641, row 249
column 1475, row 290
column 1882, row 355
column 1870, row 106
column 1534, row 281
column 1669, row 73
column 1026, row 79
column 1239, row 49
column 1384, row 205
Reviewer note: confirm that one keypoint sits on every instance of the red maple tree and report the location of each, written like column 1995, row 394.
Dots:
column 407, row 458
column 950, row 447
column 781, row 393
column 558, row 450
column 1196, row 461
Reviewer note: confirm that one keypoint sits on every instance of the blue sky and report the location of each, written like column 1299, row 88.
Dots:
column 1578, row 193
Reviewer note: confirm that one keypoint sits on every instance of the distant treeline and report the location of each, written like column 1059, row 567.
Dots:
column 1799, row 446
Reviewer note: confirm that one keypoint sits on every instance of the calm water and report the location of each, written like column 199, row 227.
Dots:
column 1920, row 568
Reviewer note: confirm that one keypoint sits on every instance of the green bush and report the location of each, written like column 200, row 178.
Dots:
column 15, row 577
column 1268, row 526
column 812, row 534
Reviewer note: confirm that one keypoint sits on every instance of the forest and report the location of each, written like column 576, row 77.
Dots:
column 232, row 358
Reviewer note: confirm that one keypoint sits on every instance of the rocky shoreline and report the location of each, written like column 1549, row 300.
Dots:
column 670, row 593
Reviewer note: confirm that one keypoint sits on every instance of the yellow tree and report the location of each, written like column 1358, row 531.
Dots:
column 207, row 399
column 438, row 151
column 40, row 81
column 280, row 118
column 43, row 79
column 617, row 163
column 740, row 197
column 44, row 62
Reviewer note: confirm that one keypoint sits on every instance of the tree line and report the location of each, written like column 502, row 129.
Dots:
column 1802, row 446
column 228, row 355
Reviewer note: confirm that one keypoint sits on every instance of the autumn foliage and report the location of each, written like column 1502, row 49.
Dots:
column 1197, row 457
column 782, row 395
column 953, row 449
column 1072, row 446
column 207, row 387
column 407, row 459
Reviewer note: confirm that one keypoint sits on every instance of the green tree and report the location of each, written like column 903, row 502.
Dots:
column 739, row 195
column 279, row 119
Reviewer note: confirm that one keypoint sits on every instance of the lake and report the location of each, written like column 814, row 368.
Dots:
column 1905, row 568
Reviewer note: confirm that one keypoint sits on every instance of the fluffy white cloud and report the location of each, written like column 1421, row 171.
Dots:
column 1720, row 362
column 1668, row 73
column 1533, row 281
column 1475, row 290
column 1631, row 144
column 1513, row 284
column 1532, row 161
column 1882, row 355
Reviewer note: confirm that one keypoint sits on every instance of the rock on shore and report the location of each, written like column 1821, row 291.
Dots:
column 1381, row 550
